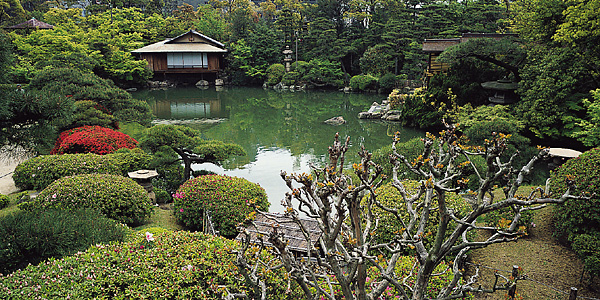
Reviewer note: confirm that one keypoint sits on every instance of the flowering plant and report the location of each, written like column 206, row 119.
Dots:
column 92, row 139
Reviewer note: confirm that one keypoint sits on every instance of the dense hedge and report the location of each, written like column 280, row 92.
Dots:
column 39, row 172
column 390, row 197
column 578, row 220
column 275, row 73
column 363, row 82
column 30, row 237
column 226, row 198
column 115, row 196
column 92, row 139
column 172, row 265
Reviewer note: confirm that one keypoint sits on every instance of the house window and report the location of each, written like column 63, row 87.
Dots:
column 187, row 60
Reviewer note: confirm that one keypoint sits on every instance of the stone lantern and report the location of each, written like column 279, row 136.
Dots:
column 288, row 58
column 144, row 178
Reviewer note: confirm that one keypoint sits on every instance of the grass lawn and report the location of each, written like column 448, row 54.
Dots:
column 540, row 256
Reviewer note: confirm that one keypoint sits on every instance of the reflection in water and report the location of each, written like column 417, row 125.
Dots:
column 278, row 131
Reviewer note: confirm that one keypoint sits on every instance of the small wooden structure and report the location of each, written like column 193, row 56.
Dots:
column 297, row 243
column 434, row 47
column 189, row 53
column 32, row 23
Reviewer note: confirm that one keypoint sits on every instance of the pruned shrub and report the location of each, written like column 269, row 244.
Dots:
column 4, row 201
column 39, row 172
column 390, row 197
column 92, row 139
column 227, row 199
column 274, row 74
column 363, row 82
column 173, row 265
column 388, row 82
column 90, row 113
column 115, row 196
column 290, row 78
column 578, row 217
column 31, row 237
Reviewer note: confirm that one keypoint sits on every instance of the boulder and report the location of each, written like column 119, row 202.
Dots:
column 335, row 121
column 202, row 83
column 364, row 115
column 219, row 82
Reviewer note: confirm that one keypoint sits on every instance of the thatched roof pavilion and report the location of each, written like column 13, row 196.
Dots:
column 32, row 23
column 264, row 224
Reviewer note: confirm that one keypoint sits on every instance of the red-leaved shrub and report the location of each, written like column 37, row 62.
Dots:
column 92, row 139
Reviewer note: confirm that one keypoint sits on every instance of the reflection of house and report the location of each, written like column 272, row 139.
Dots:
column 434, row 47
column 297, row 243
column 189, row 53
column 185, row 109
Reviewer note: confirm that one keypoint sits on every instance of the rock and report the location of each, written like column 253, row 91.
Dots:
column 131, row 89
column 335, row 121
column 347, row 90
column 394, row 118
column 219, row 82
column 278, row 86
column 364, row 115
column 202, row 83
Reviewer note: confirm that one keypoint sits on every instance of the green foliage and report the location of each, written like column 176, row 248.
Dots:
column 4, row 201
column 176, row 141
column 551, row 102
column 422, row 110
column 162, row 196
column 275, row 73
column 324, row 73
column 30, row 119
column 39, row 172
column 578, row 217
column 503, row 217
column 31, row 237
column 589, row 134
column 90, row 113
column 115, row 196
column 227, row 199
column 377, row 60
column 290, row 78
column 389, row 227
column 175, row 265
column 78, row 85
column 388, row 82
column 410, row 149
column 363, row 83
column 586, row 246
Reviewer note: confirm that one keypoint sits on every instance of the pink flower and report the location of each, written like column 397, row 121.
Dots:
column 181, row 210
column 149, row 237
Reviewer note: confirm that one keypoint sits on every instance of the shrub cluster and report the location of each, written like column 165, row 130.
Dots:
column 4, row 201
column 578, row 220
column 363, row 82
column 30, row 237
column 39, row 172
column 115, row 196
column 90, row 113
column 274, row 74
column 171, row 265
column 228, row 200
column 92, row 139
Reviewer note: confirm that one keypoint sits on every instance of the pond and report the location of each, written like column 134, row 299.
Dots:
column 278, row 130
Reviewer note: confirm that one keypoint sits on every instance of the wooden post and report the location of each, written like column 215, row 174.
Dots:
column 515, row 272
column 513, row 287
column 573, row 294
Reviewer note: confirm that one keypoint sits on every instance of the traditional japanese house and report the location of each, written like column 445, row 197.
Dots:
column 191, row 53
column 434, row 47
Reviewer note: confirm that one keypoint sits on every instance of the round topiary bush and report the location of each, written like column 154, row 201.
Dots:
column 92, row 139
column 115, row 196
column 30, row 237
column 578, row 220
column 274, row 74
column 39, row 172
column 227, row 199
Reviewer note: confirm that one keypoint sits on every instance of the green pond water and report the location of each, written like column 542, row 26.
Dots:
column 278, row 130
